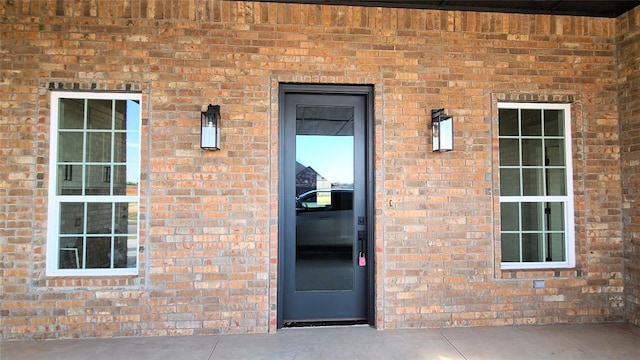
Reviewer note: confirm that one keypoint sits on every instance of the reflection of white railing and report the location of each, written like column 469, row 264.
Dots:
column 75, row 252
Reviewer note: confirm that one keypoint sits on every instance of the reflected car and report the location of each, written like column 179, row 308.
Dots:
column 324, row 219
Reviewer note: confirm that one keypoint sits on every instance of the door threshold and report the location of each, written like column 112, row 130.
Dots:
column 325, row 323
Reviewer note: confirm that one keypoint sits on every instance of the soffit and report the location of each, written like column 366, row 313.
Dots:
column 609, row 9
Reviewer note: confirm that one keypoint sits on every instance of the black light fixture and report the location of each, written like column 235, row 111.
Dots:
column 441, row 130
column 210, row 128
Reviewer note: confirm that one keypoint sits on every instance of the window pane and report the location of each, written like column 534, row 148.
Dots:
column 555, row 218
column 121, row 115
column 132, row 218
column 532, row 247
column 554, row 150
column 98, row 252
column 532, row 182
column 98, row 147
column 133, row 158
column 532, row 152
column 531, row 122
column 132, row 251
column 120, row 147
column 71, row 114
column 69, row 180
column 119, row 180
column 71, row 215
column 98, row 180
column 532, row 216
column 509, row 152
column 128, row 149
column 508, row 119
column 70, row 253
column 510, row 182
column 99, row 115
column 70, row 147
column 120, row 252
column 99, row 218
column 133, row 116
column 126, row 216
column 553, row 123
column 510, row 245
column 510, row 216
column 556, row 247
column 133, row 175
column 132, row 182
column 557, row 182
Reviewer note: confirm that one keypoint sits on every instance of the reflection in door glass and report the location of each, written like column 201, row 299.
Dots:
column 324, row 198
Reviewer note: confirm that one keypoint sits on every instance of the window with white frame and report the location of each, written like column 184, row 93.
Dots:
column 94, row 184
column 536, row 191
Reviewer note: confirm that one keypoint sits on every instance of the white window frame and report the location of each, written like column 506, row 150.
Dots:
column 53, row 221
column 567, row 200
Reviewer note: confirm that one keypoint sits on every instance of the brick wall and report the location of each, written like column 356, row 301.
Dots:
column 628, row 37
column 208, row 260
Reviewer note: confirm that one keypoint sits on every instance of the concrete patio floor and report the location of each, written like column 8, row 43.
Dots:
column 603, row 341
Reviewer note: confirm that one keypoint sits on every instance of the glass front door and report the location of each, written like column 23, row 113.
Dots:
column 324, row 229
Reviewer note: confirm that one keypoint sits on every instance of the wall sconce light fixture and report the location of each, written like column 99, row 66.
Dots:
column 210, row 128
column 441, row 130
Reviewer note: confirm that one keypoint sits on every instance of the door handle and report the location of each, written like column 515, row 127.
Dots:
column 361, row 239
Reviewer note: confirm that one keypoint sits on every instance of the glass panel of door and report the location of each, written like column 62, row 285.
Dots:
column 324, row 198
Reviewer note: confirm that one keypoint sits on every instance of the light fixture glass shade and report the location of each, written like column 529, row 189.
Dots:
column 210, row 128
column 441, row 131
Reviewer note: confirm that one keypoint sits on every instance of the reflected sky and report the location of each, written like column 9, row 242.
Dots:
column 133, row 141
column 329, row 156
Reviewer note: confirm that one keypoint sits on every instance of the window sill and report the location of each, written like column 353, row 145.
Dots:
column 93, row 272
column 536, row 266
